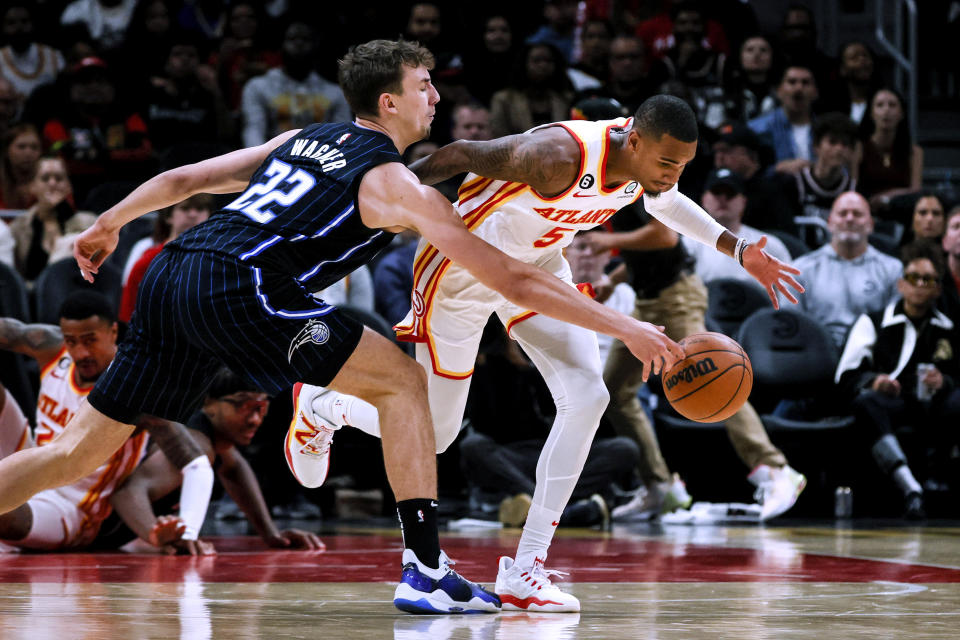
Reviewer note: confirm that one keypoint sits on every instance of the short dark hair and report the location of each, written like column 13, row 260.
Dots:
column 662, row 114
column 797, row 64
column 924, row 249
column 83, row 304
column 376, row 67
column 838, row 126
column 226, row 382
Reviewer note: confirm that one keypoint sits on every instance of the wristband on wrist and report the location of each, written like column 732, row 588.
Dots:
column 739, row 249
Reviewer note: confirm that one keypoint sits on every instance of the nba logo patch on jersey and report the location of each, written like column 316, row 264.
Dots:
column 315, row 331
column 341, row 139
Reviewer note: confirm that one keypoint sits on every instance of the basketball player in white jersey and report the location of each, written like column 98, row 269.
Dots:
column 528, row 195
column 71, row 358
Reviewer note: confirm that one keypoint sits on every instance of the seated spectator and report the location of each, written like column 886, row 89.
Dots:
column 949, row 301
column 558, row 32
column 38, row 231
column 98, row 136
column 176, row 219
column 658, row 34
column 900, row 367
column 292, row 95
column 105, row 21
column 540, row 93
column 496, row 50
column 470, row 121
column 691, row 61
column 146, row 41
column 24, row 61
column 19, row 156
column 631, row 79
column 750, row 80
column 244, row 52
column 857, row 82
column 231, row 414
column 891, row 163
column 739, row 149
column 788, row 129
column 393, row 278
column 798, row 43
column 593, row 65
column 848, row 277
column 815, row 187
column 511, row 412
column 11, row 104
column 724, row 199
column 928, row 221
column 183, row 103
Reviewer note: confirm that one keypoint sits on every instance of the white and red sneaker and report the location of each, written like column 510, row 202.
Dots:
column 530, row 589
column 307, row 445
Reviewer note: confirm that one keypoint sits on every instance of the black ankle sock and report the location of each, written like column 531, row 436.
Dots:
column 418, row 521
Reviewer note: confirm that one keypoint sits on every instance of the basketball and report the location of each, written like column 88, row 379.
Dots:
column 712, row 381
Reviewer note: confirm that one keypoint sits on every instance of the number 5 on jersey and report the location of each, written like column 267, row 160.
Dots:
column 553, row 236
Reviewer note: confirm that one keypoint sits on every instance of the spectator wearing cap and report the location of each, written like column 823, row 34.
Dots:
column 98, row 136
column 725, row 200
column 24, row 62
column 847, row 277
column 739, row 149
column 788, row 129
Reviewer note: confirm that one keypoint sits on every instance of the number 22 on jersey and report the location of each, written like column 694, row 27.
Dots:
column 283, row 186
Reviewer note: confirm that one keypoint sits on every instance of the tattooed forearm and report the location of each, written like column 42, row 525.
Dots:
column 544, row 160
column 29, row 338
column 173, row 439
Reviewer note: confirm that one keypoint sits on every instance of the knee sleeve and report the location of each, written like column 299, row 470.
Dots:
column 888, row 454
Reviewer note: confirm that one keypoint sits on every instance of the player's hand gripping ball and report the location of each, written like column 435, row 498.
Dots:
column 712, row 382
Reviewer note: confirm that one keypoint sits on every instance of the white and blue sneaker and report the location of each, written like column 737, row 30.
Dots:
column 443, row 590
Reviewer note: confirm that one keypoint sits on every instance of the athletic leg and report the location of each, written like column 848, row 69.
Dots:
column 569, row 361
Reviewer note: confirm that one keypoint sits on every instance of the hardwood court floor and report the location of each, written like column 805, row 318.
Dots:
column 787, row 582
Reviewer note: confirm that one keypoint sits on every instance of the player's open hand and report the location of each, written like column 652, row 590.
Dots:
column 166, row 530
column 296, row 539
column 653, row 348
column 771, row 273
column 92, row 247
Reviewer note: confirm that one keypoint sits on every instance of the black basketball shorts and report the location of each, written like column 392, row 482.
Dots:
column 198, row 311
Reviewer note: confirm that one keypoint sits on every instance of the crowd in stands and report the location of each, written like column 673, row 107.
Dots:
column 810, row 148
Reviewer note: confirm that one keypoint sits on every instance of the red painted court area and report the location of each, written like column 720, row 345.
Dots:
column 376, row 558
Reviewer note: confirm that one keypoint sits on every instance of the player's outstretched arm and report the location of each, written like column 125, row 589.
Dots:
column 42, row 342
column 547, row 159
column 390, row 197
column 224, row 174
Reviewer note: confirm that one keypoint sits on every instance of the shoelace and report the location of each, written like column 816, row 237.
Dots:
column 319, row 443
column 542, row 576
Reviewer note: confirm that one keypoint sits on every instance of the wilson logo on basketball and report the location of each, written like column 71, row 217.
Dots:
column 687, row 374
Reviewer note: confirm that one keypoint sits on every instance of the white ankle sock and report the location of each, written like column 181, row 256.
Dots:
column 904, row 479
column 349, row 410
column 537, row 535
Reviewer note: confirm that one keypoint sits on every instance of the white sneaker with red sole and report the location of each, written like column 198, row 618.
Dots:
column 530, row 589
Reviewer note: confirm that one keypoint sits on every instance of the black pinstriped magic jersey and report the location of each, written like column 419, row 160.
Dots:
column 299, row 214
